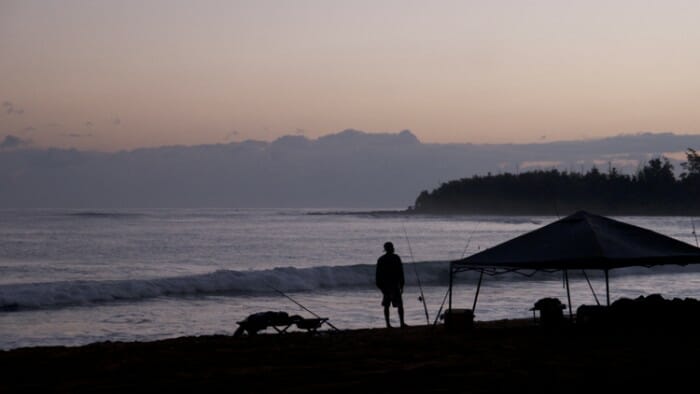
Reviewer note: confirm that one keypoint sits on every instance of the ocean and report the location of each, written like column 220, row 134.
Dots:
column 72, row 277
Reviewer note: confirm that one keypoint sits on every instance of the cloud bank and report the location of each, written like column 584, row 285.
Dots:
column 11, row 109
column 349, row 169
column 12, row 142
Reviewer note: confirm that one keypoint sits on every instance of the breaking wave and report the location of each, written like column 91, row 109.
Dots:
column 15, row 297
column 250, row 283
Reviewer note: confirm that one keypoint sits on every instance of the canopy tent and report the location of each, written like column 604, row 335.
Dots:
column 579, row 241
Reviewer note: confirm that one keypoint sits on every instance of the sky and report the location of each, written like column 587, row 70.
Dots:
column 111, row 75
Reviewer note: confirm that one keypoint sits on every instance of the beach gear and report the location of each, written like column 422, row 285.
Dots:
column 550, row 311
column 279, row 321
column 580, row 241
column 583, row 241
column 325, row 320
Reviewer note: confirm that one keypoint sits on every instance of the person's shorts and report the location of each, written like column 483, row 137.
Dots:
column 392, row 297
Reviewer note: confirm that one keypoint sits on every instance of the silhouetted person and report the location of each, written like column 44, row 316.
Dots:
column 390, row 281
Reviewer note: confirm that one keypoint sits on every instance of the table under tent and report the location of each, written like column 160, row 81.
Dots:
column 582, row 241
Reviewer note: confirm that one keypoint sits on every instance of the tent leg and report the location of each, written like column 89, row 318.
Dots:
column 450, row 290
column 478, row 288
column 568, row 293
column 607, row 287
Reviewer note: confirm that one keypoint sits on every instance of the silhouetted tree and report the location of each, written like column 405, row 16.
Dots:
column 653, row 189
column 692, row 166
column 658, row 171
column 691, row 176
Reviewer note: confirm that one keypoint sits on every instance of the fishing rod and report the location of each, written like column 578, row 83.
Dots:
column 415, row 270
column 464, row 252
column 302, row 306
column 695, row 234
column 591, row 287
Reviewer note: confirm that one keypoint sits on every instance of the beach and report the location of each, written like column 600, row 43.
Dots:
column 500, row 356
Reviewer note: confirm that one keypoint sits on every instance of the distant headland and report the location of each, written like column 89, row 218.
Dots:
column 653, row 190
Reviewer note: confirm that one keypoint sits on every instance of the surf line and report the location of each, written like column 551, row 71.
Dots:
column 415, row 270
column 302, row 306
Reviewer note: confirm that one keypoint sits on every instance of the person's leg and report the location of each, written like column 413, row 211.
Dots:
column 386, row 316
column 399, row 305
column 401, row 316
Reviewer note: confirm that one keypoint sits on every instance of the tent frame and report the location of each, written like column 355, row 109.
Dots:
column 582, row 241
column 493, row 271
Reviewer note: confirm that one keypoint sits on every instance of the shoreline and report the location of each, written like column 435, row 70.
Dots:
column 495, row 356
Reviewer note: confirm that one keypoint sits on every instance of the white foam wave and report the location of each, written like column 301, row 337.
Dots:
column 250, row 283
column 289, row 279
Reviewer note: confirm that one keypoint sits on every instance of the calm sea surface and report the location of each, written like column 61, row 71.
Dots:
column 74, row 277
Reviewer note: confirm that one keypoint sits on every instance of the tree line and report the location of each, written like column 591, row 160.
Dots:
column 652, row 190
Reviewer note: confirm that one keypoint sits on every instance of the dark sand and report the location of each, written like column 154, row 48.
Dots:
column 505, row 356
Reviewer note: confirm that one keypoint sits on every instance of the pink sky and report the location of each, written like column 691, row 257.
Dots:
column 111, row 75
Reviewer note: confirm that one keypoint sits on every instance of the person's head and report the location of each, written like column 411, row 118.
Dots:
column 389, row 247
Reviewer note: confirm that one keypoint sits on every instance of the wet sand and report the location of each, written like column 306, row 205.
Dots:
column 503, row 356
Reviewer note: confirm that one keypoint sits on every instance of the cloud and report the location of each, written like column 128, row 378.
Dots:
column 77, row 135
column 231, row 135
column 11, row 109
column 540, row 164
column 12, row 142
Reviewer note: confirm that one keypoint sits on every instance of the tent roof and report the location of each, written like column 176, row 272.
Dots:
column 584, row 241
